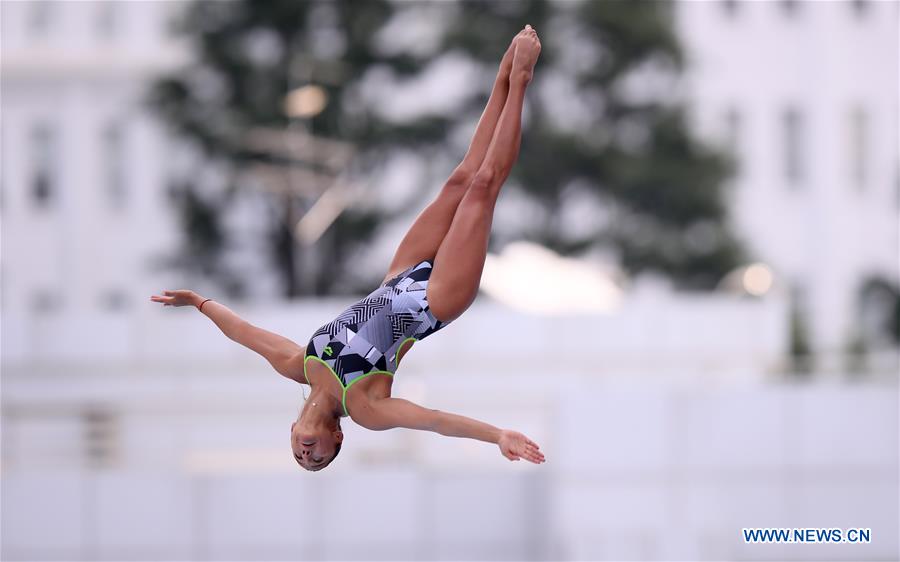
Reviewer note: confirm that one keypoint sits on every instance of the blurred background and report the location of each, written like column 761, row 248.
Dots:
column 714, row 185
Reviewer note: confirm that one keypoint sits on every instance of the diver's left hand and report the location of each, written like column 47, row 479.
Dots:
column 515, row 446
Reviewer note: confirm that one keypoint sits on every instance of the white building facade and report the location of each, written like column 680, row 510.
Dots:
column 806, row 95
column 136, row 432
column 85, row 208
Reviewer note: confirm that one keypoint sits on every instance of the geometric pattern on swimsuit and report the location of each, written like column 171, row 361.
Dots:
column 365, row 338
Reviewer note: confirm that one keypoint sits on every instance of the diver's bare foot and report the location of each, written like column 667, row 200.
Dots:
column 507, row 62
column 528, row 48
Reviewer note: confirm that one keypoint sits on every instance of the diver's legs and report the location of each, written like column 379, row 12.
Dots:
column 460, row 257
column 422, row 240
column 424, row 236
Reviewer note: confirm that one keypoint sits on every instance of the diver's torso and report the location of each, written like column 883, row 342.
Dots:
column 368, row 336
column 363, row 392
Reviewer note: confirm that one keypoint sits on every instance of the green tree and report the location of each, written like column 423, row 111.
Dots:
column 801, row 353
column 231, row 103
column 632, row 152
column 587, row 133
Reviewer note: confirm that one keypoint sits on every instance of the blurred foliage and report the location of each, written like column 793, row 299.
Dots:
column 878, row 303
column 248, row 54
column 206, row 239
column 856, row 355
column 895, row 319
column 631, row 154
column 802, row 360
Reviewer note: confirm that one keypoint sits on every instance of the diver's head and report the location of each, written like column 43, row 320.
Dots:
column 316, row 438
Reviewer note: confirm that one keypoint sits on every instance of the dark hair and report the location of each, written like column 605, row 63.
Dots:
column 337, row 446
column 337, row 449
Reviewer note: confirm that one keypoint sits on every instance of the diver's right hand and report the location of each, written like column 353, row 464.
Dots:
column 180, row 297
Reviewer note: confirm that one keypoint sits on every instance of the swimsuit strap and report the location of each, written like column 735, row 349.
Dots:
column 340, row 382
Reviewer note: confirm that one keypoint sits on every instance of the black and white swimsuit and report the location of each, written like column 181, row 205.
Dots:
column 365, row 338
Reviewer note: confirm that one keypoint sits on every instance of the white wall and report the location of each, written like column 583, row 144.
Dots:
column 668, row 424
column 666, row 432
column 725, row 335
column 656, row 471
column 827, row 234
column 77, row 81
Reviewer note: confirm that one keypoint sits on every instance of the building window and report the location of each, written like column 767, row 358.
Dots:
column 733, row 129
column 790, row 8
column 800, row 335
column 731, row 133
column 39, row 16
column 114, row 165
column 859, row 132
column 794, row 146
column 113, row 299
column 861, row 8
column 45, row 301
column 174, row 189
column 897, row 182
column 730, row 7
column 107, row 18
column 43, row 165
column 3, row 145
column 798, row 293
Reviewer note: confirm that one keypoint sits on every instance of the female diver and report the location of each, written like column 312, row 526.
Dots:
column 432, row 280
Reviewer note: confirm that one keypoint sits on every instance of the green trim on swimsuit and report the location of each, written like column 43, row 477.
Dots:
column 320, row 360
column 354, row 381
column 400, row 347
column 340, row 382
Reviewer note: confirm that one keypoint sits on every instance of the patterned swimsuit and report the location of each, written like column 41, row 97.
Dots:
column 364, row 339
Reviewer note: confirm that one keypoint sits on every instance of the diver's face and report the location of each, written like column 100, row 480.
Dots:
column 313, row 448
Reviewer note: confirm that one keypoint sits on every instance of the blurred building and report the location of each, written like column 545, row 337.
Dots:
column 136, row 432
column 85, row 209
column 812, row 123
column 805, row 96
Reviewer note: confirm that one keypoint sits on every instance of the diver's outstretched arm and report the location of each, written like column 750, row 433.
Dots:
column 389, row 413
column 285, row 356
